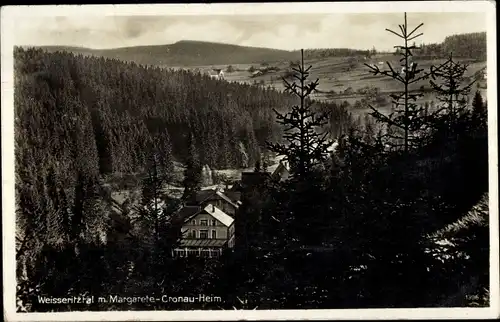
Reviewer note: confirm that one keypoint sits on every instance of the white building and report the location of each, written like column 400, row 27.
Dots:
column 219, row 74
column 206, row 232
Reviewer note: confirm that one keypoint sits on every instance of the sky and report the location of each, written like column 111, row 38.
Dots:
column 284, row 31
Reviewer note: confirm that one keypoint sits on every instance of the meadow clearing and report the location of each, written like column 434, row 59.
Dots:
column 339, row 74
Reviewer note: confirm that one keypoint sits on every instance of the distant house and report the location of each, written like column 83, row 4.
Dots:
column 403, row 69
column 218, row 74
column 206, row 232
column 257, row 73
column 282, row 172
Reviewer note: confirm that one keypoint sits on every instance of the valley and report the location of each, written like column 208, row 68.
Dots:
column 157, row 169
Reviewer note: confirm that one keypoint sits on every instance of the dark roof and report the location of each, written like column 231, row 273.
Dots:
column 203, row 195
column 236, row 187
column 280, row 172
column 233, row 195
column 186, row 212
column 202, row 242
column 207, row 195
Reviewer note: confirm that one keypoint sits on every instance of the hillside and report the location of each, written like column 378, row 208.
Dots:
column 123, row 107
column 344, row 78
column 185, row 53
column 201, row 53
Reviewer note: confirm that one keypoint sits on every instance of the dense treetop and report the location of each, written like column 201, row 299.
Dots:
column 471, row 45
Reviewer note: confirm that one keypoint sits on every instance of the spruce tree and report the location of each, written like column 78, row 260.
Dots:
column 265, row 161
column 258, row 167
column 305, row 145
column 479, row 111
column 158, row 172
column 451, row 92
column 193, row 172
column 405, row 125
column 165, row 155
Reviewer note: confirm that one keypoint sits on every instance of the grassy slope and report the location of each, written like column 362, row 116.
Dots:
column 333, row 75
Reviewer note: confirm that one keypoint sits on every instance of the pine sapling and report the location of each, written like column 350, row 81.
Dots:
column 306, row 143
column 406, row 123
column 448, row 83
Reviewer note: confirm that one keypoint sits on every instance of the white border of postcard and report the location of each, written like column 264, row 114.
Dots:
column 12, row 15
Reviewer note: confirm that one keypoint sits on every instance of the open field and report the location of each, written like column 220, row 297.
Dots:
column 338, row 74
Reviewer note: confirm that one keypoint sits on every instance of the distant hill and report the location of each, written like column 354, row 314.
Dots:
column 202, row 53
column 185, row 53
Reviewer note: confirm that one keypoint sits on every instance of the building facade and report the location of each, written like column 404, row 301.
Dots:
column 206, row 232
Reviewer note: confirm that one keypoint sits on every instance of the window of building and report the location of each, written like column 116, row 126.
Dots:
column 180, row 252
column 193, row 222
column 204, row 234
column 204, row 222
column 214, row 253
column 214, row 234
column 192, row 234
column 214, row 222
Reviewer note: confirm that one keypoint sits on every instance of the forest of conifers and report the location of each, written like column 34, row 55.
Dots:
column 470, row 45
column 79, row 119
column 124, row 105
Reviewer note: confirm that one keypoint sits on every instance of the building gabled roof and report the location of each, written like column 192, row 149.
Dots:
column 226, row 198
column 187, row 212
column 220, row 215
column 281, row 170
column 204, row 195
column 235, row 196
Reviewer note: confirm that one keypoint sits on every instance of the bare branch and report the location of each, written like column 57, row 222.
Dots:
column 400, row 36
column 414, row 37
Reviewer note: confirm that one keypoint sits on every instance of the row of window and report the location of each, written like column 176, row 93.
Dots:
column 207, row 253
column 204, row 222
column 203, row 234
